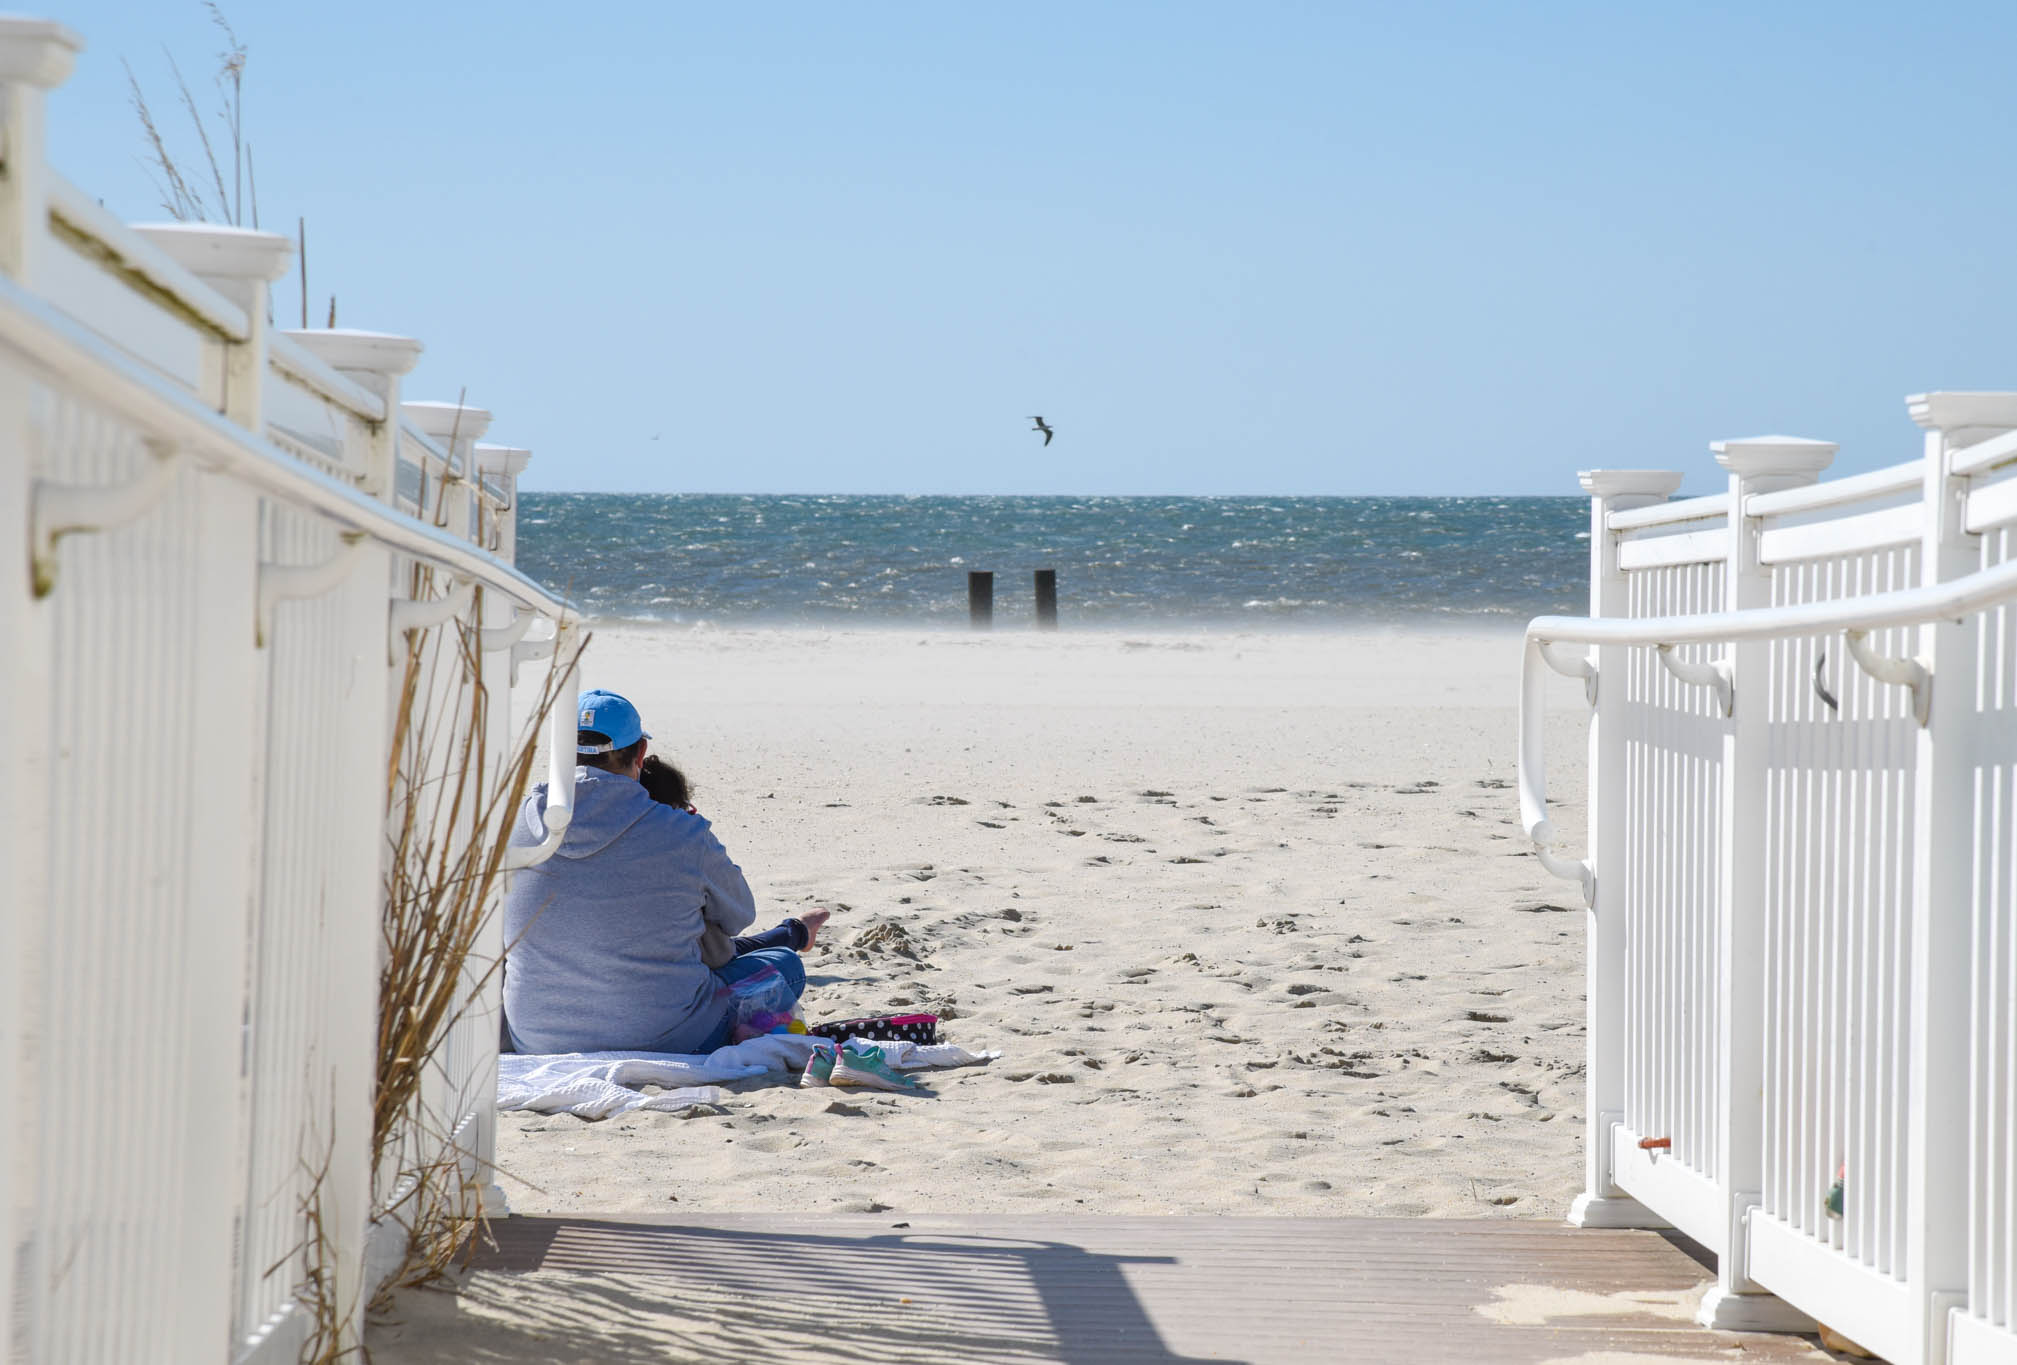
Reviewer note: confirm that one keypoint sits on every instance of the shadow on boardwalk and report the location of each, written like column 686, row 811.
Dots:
column 1083, row 1291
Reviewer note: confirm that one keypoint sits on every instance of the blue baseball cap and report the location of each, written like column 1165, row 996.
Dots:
column 611, row 715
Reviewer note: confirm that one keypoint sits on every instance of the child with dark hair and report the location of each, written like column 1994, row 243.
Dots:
column 667, row 785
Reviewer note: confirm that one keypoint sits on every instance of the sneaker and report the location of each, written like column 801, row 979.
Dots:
column 818, row 1068
column 867, row 1068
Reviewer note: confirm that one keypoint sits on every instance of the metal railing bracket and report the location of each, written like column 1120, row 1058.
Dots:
column 1569, row 869
column 1715, row 675
column 1573, row 666
column 59, row 510
column 1897, row 672
column 502, row 637
column 1828, row 698
column 421, row 615
column 530, row 651
column 289, row 582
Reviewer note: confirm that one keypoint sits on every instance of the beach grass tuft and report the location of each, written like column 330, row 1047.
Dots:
column 451, row 809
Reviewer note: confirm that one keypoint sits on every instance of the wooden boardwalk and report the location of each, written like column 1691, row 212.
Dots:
column 1089, row 1290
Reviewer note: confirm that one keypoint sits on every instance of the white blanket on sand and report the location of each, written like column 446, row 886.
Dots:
column 594, row 1085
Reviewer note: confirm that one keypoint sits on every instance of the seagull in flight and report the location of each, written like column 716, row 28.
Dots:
column 1044, row 427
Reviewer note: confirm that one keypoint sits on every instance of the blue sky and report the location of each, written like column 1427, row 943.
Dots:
column 1256, row 247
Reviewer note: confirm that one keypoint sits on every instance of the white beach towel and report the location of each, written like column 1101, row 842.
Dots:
column 594, row 1085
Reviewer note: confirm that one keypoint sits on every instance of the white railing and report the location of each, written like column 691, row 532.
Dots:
column 205, row 616
column 1802, row 875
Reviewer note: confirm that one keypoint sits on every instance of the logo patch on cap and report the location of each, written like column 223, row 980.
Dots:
column 588, row 720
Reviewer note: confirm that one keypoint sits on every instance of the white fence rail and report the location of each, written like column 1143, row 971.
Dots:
column 1802, row 873
column 206, row 613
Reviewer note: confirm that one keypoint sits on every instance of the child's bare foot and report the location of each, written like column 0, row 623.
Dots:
column 814, row 921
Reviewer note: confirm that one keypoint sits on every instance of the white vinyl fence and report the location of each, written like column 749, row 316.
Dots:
column 213, row 538
column 1802, row 871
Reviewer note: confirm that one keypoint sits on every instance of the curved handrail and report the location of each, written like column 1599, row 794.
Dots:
column 70, row 355
column 50, row 344
column 560, row 736
column 1953, row 600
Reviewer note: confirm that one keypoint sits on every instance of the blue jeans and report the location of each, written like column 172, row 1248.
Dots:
column 790, row 934
column 787, row 964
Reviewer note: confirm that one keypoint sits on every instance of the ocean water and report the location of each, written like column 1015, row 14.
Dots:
column 1229, row 563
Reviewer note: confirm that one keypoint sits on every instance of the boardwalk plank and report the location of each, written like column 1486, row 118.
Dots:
column 1088, row 1290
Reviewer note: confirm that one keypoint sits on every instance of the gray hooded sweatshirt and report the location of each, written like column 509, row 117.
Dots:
column 603, row 938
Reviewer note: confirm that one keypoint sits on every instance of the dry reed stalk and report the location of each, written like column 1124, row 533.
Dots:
column 439, row 1216
column 449, row 478
column 450, row 821
column 317, row 1292
column 231, row 67
column 183, row 201
column 202, row 134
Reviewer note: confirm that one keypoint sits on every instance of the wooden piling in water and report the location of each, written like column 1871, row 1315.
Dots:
column 980, row 599
column 1047, row 599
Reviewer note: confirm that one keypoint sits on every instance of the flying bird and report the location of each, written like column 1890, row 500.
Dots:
column 1044, row 427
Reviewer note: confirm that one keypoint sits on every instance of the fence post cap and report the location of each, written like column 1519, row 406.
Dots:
column 218, row 251
column 492, row 459
column 1952, row 409
column 1786, row 461
column 36, row 51
column 443, row 420
column 346, row 348
column 1651, row 484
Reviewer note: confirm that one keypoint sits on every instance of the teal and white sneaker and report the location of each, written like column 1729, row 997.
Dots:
column 818, row 1068
column 866, row 1067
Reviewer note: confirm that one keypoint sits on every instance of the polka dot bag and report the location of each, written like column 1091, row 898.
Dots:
column 883, row 1028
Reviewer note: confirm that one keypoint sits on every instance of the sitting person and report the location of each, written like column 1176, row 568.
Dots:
column 603, row 938
column 667, row 785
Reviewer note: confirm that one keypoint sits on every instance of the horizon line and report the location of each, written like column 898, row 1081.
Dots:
column 836, row 493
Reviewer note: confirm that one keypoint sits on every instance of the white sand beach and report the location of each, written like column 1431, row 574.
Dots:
column 1250, row 917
